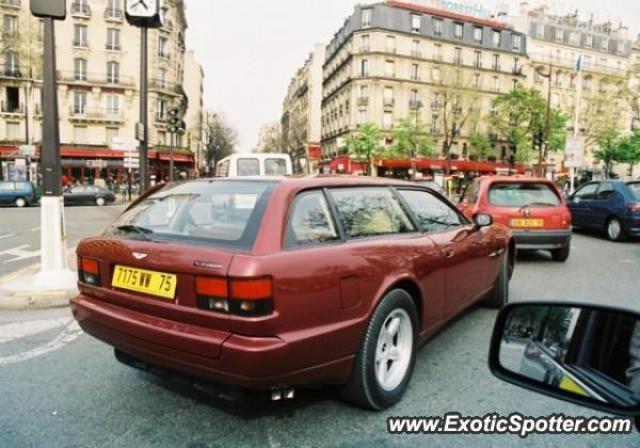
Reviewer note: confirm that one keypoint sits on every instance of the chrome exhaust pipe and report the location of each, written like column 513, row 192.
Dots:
column 282, row 393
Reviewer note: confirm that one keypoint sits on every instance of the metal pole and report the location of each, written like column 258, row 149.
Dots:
column 51, row 164
column 576, row 131
column 547, row 128
column 144, row 117
column 171, row 152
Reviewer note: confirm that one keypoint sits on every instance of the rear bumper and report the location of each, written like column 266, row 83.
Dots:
column 542, row 239
column 251, row 362
column 632, row 225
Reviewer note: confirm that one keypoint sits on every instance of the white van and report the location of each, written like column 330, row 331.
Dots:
column 240, row 165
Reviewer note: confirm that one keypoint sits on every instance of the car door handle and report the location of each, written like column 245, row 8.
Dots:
column 496, row 253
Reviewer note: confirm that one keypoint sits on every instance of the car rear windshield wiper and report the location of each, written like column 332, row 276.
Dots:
column 143, row 231
column 541, row 204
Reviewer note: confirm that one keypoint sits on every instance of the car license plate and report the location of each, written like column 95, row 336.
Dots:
column 527, row 223
column 153, row 283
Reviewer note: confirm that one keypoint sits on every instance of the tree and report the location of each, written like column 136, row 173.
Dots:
column 220, row 139
column 609, row 150
column 294, row 139
column 480, row 147
column 630, row 149
column 411, row 139
column 364, row 145
column 520, row 114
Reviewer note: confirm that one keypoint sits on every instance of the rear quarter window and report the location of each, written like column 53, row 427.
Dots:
column 310, row 221
column 520, row 194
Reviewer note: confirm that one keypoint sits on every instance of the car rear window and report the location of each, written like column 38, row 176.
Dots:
column 634, row 188
column 520, row 194
column 275, row 167
column 248, row 167
column 217, row 213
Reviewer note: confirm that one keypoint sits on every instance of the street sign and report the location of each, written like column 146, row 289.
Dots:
column 27, row 150
column 56, row 9
column 574, row 152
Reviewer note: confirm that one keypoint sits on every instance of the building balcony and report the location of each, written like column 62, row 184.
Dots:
column 11, row 3
column 96, row 79
column 80, row 44
column 546, row 60
column 81, row 10
column 113, row 15
column 12, row 109
column 14, row 71
column 415, row 104
column 95, row 115
column 164, row 86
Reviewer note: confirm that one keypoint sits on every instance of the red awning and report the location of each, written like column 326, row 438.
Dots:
column 456, row 165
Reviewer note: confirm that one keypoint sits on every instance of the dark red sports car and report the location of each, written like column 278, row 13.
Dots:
column 278, row 283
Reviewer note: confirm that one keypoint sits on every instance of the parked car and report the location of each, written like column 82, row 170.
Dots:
column 533, row 208
column 88, row 195
column 18, row 193
column 612, row 206
column 273, row 284
column 246, row 165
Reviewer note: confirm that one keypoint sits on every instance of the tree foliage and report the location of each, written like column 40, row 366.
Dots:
column 220, row 139
column 480, row 146
column 411, row 139
column 364, row 145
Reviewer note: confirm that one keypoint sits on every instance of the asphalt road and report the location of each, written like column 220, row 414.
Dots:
column 20, row 232
column 61, row 388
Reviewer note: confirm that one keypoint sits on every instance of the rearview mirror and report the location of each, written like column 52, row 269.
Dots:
column 584, row 354
column 482, row 220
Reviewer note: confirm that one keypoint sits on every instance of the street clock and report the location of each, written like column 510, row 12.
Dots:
column 145, row 13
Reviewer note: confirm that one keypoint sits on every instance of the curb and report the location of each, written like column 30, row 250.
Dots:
column 25, row 301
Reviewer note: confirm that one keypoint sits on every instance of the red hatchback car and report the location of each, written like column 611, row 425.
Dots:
column 274, row 284
column 532, row 208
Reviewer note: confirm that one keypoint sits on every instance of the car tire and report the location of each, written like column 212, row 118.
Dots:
column 20, row 202
column 561, row 255
column 100, row 202
column 384, row 364
column 499, row 295
column 615, row 230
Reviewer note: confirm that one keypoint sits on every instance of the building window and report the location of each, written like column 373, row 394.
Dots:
column 362, row 116
column 415, row 52
column 366, row 18
column 113, row 72
column 605, row 44
column 111, row 134
column 414, row 97
column 79, row 103
column 80, row 134
column 113, row 39
column 496, row 84
column 457, row 56
column 391, row 44
column 365, row 42
column 113, row 104
column 364, row 91
column 574, row 38
column 437, row 52
column 80, row 36
column 415, row 72
column 514, row 84
column 496, row 62
column 516, row 65
column 496, row 38
column 388, row 96
column 364, row 67
column 588, row 40
column 457, row 78
column 80, row 69
column 458, row 30
column 559, row 34
column 416, row 23
column 437, row 26
column 163, row 44
column 161, row 109
column 477, row 34
column 12, row 64
column 10, row 25
column 477, row 59
column 517, row 42
column 476, row 80
column 436, row 74
column 390, row 69
column 387, row 120
column 434, row 125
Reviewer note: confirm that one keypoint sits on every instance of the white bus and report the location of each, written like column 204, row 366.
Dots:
column 240, row 165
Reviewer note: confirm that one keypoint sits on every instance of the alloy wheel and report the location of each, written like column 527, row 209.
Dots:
column 394, row 349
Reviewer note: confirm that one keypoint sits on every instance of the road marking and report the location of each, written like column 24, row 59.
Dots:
column 69, row 334
column 19, row 253
column 18, row 330
column 9, row 235
column 35, row 229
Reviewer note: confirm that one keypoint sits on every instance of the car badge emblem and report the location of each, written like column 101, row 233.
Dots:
column 139, row 256
column 527, row 212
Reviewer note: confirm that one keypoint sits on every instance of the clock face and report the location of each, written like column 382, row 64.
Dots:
column 142, row 8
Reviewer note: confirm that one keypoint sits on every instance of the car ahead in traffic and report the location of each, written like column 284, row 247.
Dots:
column 88, row 195
column 611, row 206
column 18, row 193
column 532, row 208
column 273, row 284
column 253, row 164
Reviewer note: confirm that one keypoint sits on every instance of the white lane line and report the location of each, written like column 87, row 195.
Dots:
column 9, row 235
column 18, row 330
column 19, row 253
column 70, row 333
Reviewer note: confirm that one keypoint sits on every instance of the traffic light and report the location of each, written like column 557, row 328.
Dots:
column 174, row 120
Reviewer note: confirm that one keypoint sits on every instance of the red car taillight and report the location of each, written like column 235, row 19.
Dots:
column 89, row 271
column 242, row 297
column 633, row 208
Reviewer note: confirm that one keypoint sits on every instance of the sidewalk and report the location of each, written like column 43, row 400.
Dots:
column 36, row 299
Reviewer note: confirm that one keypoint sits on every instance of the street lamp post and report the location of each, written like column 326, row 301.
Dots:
column 418, row 105
column 547, row 127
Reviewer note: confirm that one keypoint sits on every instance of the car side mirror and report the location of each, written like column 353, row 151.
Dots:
column 482, row 220
column 585, row 354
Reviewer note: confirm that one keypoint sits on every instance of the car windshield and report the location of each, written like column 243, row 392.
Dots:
column 216, row 213
column 634, row 188
column 521, row 194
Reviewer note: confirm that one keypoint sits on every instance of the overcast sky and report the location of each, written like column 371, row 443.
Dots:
column 250, row 49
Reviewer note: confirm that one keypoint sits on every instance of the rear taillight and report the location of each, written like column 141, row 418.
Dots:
column 89, row 271
column 243, row 297
column 633, row 208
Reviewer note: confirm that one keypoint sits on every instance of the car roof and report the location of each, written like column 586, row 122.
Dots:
column 514, row 179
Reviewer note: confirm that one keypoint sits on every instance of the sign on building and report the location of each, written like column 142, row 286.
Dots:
column 574, row 152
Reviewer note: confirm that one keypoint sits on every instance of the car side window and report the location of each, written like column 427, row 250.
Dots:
column 371, row 211
column 248, row 167
column 605, row 192
column 7, row 186
column 433, row 214
column 587, row 192
column 275, row 167
column 310, row 221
